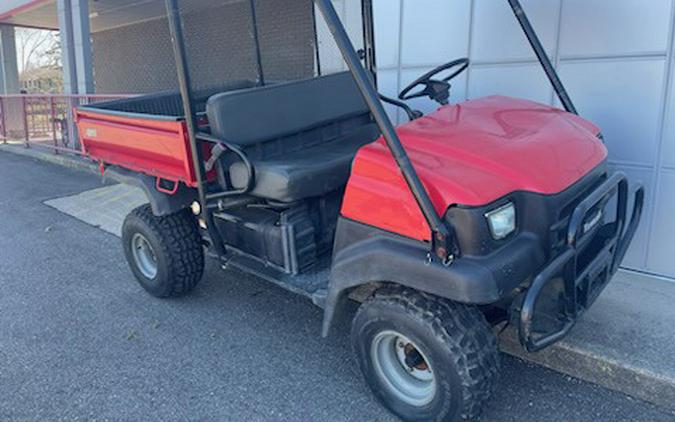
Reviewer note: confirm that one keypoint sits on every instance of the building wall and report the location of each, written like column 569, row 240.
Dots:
column 139, row 58
column 615, row 57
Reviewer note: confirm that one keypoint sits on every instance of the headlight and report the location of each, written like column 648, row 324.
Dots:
column 502, row 221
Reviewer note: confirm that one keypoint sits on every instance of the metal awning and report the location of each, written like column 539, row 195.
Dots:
column 104, row 14
column 30, row 13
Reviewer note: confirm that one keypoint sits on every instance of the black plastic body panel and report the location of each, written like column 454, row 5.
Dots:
column 292, row 238
column 162, row 203
column 536, row 214
column 285, row 239
column 364, row 254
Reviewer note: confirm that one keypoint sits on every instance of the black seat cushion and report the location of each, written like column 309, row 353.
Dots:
column 300, row 136
column 306, row 173
column 252, row 116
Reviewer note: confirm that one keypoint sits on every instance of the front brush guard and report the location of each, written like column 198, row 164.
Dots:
column 583, row 286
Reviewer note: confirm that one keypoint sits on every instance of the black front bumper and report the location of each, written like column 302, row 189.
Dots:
column 576, row 276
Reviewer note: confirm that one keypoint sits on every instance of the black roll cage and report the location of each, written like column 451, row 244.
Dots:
column 443, row 244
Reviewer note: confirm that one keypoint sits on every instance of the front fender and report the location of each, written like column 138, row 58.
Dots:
column 365, row 254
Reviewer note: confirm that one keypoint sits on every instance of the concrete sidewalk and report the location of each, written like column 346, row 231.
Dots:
column 626, row 342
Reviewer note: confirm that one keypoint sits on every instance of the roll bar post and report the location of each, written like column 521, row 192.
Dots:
column 543, row 58
column 442, row 239
column 180, row 55
column 368, row 23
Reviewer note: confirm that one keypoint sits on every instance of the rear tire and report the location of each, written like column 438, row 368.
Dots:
column 165, row 253
column 425, row 358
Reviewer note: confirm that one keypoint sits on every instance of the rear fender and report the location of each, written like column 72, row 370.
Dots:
column 162, row 203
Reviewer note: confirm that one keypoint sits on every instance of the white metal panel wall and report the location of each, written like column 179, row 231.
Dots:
column 330, row 58
column 615, row 57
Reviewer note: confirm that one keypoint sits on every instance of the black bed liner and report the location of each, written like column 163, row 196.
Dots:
column 167, row 103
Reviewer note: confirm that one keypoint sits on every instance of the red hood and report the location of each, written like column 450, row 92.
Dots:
column 478, row 151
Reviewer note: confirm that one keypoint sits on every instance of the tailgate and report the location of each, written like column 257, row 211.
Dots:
column 154, row 145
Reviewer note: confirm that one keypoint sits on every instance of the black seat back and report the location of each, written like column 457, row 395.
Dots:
column 288, row 116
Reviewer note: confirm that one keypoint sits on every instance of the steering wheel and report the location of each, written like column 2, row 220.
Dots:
column 437, row 90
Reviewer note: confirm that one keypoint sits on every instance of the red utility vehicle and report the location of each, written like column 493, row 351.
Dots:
column 490, row 211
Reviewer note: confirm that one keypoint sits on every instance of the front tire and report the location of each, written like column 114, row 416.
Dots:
column 425, row 358
column 165, row 253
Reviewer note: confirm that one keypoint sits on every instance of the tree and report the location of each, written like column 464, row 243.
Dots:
column 53, row 54
column 37, row 48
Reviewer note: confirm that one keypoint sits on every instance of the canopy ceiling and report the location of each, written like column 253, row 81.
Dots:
column 104, row 14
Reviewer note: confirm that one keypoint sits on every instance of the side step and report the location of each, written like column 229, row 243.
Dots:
column 312, row 284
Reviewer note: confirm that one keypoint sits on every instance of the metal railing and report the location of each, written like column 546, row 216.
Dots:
column 44, row 120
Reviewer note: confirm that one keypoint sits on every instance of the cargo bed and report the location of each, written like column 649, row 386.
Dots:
column 146, row 134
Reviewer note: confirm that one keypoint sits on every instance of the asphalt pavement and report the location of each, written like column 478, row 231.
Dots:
column 80, row 340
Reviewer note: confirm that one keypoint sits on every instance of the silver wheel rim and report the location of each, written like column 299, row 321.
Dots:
column 144, row 256
column 392, row 353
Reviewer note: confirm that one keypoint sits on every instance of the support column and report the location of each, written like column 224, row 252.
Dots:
column 76, row 57
column 67, row 47
column 82, row 46
column 8, row 61
column 2, row 76
column 13, row 108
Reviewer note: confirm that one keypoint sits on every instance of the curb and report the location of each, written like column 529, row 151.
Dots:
column 564, row 357
column 61, row 159
column 583, row 364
